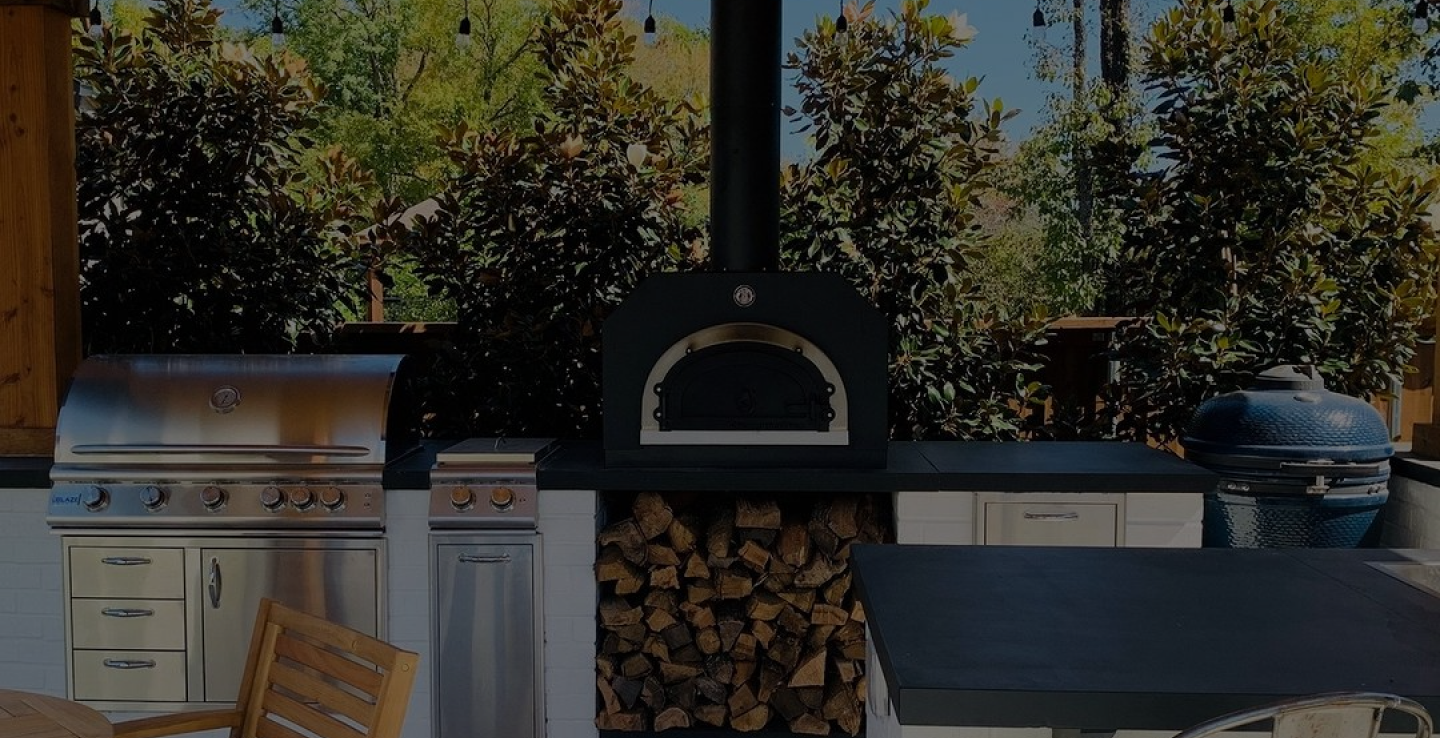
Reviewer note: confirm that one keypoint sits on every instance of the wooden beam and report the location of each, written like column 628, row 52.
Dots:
column 72, row 8
column 39, row 260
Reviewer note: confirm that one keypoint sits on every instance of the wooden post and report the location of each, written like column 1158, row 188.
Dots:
column 39, row 261
column 1426, row 439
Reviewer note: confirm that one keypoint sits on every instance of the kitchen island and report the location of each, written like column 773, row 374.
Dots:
column 1133, row 639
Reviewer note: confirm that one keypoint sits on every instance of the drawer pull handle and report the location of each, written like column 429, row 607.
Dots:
column 476, row 559
column 125, row 560
column 1052, row 516
column 129, row 664
column 126, row 612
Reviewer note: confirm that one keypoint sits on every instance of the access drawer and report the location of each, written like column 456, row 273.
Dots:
column 129, row 676
column 1054, row 520
column 152, row 625
column 151, row 573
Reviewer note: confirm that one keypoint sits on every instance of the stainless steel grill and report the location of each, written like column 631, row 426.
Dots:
column 187, row 488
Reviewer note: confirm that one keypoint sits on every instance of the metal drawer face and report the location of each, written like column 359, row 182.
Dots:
column 1051, row 524
column 133, row 676
column 151, row 625
column 156, row 573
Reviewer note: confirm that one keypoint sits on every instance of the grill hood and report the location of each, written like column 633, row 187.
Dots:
column 233, row 417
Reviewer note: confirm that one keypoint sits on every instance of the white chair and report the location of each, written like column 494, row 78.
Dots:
column 1330, row 715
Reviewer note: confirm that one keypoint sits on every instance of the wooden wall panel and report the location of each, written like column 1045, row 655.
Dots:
column 39, row 277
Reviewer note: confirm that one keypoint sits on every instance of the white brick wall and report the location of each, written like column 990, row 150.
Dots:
column 1170, row 520
column 407, row 548
column 32, row 622
column 567, row 531
column 939, row 518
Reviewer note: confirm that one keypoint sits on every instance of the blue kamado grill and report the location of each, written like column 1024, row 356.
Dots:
column 1299, row 465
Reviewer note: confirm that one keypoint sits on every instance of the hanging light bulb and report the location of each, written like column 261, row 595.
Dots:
column 462, row 36
column 650, row 24
column 1037, row 21
column 1420, row 21
column 277, row 31
column 1227, row 18
column 842, row 24
column 96, row 29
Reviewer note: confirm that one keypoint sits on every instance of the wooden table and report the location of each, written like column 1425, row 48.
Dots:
column 27, row 715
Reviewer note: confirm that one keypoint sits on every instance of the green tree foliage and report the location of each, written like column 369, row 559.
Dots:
column 1271, row 236
column 197, row 231
column 889, row 200
column 541, row 234
column 393, row 75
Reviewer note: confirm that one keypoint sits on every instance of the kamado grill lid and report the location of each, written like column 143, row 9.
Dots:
column 1287, row 414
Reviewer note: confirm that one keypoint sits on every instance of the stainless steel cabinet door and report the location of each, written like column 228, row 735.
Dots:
column 486, row 641
column 338, row 585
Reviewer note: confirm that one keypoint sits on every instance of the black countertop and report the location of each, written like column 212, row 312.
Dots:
column 1080, row 466
column 932, row 465
column 1156, row 639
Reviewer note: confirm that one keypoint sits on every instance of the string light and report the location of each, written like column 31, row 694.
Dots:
column 462, row 36
column 650, row 24
column 1227, row 17
column 841, row 23
column 1037, row 21
column 96, row 29
column 1420, row 21
column 277, row 30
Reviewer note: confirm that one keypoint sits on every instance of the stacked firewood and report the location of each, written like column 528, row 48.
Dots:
column 735, row 614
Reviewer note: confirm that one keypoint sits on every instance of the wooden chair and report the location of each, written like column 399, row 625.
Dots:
column 1330, row 715
column 305, row 676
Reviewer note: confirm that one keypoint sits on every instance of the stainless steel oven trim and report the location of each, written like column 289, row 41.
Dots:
column 483, row 537
column 195, row 590
column 651, row 435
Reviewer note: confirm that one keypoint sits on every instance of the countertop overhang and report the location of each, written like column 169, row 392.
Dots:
column 1150, row 639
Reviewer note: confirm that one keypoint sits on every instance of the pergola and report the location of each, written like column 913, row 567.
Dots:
column 39, row 262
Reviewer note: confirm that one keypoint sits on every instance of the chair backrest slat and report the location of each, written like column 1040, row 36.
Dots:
column 1329, row 715
column 312, row 678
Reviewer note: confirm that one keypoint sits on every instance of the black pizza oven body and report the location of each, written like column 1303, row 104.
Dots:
column 745, row 369
column 745, row 366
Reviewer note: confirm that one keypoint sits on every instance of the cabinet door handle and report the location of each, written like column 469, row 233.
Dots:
column 1052, row 516
column 126, row 612
column 215, row 583
column 480, row 559
column 125, row 560
column 129, row 664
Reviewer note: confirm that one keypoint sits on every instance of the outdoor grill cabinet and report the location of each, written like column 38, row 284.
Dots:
column 163, row 624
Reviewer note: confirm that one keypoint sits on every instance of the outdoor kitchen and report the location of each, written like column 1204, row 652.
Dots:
column 744, row 546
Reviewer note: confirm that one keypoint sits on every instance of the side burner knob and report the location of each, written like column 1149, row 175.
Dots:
column 272, row 498
column 462, row 498
column 502, row 498
column 95, row 499
column 332, row 498
column 152, row 497
column 213, row 498
column 303, row 498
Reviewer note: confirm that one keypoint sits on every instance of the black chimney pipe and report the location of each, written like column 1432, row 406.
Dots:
column 745, row 135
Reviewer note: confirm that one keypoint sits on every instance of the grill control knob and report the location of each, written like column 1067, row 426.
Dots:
column 303, row 498
column 332, row 499
column 502, row 498
column 152, row 497
column 462, row 498
column 95, row 499
column 213, row 498
column 272, row 498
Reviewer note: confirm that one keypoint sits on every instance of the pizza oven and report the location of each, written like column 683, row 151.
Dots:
column 745, row 365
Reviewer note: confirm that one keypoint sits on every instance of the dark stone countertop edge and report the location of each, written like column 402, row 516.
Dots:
column 25, row 472
column 1408, row 465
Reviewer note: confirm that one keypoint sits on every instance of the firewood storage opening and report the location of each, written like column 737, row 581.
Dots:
column 733, row 611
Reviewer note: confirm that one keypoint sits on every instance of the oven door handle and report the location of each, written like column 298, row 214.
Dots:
column 125, row 560
column 215, row 583
column 482, row 559
column 126, row 612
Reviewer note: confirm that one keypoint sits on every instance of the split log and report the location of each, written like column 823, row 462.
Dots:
column 673, row 673
column 751, row 721
column 802, row 599
column 841, row 519
column 659, row 620
column 652, row 515
column 630, row 722
column 742, row 700
column 666, row 577
column 661, row 599
column 697, row 616
column 763, row 631
column 615, row 611
column 809, row 725
column 793, row 544
column 757, row 513
column 658, row 555
column 829, row 615
column 628, row 690
column 719, row 534
column 708, row 641
column 754, row 556
column 711, row 714
column 695, row 567
column 842, row 707
column 625, row 534
column 682, row 534
column 672, row 717
column 787, row 703
column 811, row 672
column 635, row 666
column 765, row 606
column 733, row 586
column 682, row 694
column 711, row 690
column 607, row 694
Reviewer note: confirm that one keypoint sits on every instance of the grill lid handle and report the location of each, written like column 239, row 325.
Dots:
column 161, row 448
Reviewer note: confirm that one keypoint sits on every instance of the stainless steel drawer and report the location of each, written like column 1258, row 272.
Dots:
column 131, row 676
column 152, row 625
column 152, row 573
column 1045, row 523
